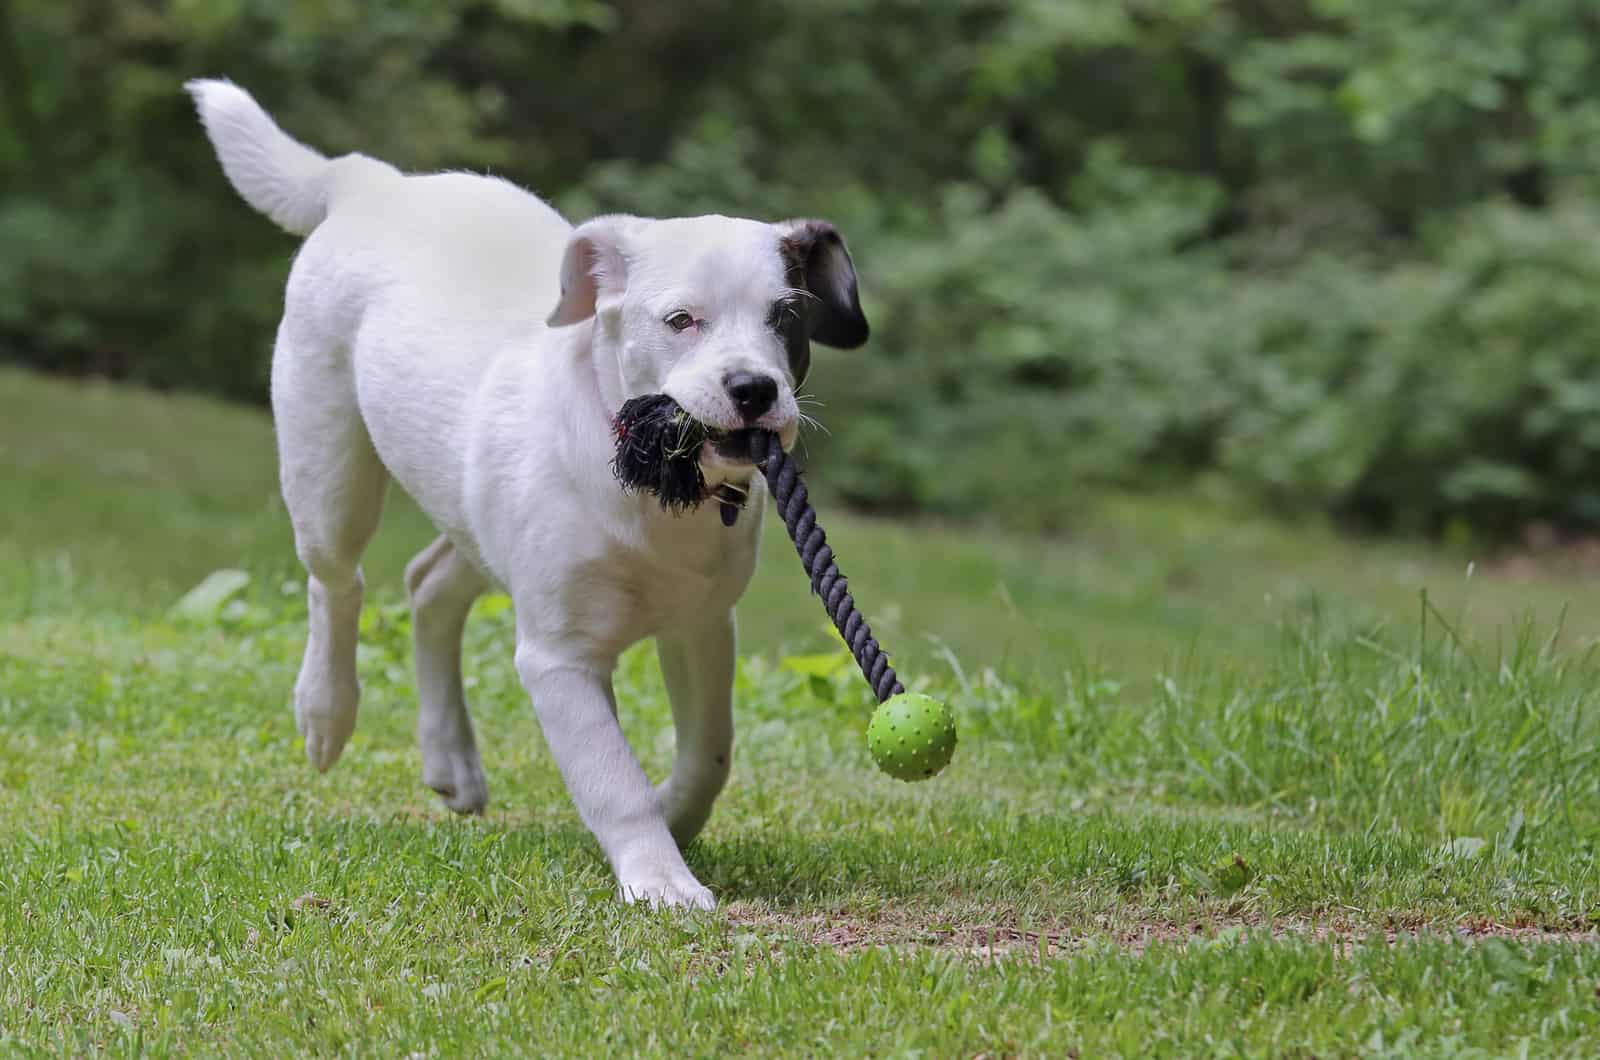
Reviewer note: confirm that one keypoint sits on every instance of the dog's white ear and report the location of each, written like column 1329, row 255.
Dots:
column 595, row 264
column 817, row 260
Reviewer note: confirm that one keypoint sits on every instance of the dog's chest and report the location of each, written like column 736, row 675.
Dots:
column 618, row 592
column 702, row 569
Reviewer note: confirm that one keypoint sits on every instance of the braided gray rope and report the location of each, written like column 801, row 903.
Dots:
column 800, row 519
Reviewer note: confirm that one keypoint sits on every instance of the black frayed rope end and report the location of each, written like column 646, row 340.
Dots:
column 658, row 452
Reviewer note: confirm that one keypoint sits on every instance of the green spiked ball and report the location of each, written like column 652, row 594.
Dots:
column 912, row 736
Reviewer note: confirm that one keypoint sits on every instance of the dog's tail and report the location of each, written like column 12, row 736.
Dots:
column 278, row 175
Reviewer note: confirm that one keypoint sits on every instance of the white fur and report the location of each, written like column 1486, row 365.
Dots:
column 414, row 345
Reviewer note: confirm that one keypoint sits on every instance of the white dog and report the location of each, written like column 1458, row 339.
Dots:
column 455, row 333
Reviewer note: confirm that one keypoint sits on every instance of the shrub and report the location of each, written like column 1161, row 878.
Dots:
column 1335, row 250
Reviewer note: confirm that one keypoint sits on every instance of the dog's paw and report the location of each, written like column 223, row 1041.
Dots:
column 326, row 716
column 664, row 886
column 458, row 778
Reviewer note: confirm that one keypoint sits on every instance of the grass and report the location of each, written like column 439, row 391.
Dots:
column 1225, row 788
column 117, row 501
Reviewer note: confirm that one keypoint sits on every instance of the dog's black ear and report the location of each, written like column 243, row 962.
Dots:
column 595, row 265
column 816, row 259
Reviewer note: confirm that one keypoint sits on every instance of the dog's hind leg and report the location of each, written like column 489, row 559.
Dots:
column 333, row 485
column 442, row 586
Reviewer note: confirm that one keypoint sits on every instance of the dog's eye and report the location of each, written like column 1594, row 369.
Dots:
column 680, row 321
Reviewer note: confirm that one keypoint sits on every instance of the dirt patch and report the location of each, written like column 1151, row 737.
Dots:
column 849, row 933
column 310, row 901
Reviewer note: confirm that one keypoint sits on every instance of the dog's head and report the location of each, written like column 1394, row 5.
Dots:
column 718, row 313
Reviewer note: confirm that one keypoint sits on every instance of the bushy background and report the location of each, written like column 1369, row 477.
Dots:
column 1342, row 254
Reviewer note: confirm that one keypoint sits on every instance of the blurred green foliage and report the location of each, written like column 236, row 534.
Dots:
column 1341, row 252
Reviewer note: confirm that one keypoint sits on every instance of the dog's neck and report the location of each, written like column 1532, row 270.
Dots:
column 603, row 361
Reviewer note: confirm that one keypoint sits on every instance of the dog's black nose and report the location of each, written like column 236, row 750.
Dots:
column 752, row 394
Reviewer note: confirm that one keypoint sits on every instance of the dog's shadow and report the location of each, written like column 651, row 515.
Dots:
column 808, row 870
column 782, row 871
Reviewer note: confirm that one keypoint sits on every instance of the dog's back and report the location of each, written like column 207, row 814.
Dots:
column 498, row 247
column 406, row 288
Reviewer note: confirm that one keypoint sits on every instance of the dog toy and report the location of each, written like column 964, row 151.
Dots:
column 911, row 736
column 658, row 451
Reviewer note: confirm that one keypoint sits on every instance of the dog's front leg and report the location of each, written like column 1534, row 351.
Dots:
column 578, row 713
column 697, row 663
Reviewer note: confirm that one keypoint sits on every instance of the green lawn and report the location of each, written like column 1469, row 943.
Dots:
column 1224, row 788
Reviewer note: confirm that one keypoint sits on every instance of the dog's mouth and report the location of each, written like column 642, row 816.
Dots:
column 664, row 451
column 732, row 446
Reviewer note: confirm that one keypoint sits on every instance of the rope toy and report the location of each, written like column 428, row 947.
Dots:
column 911, row 736
column 658, row 451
